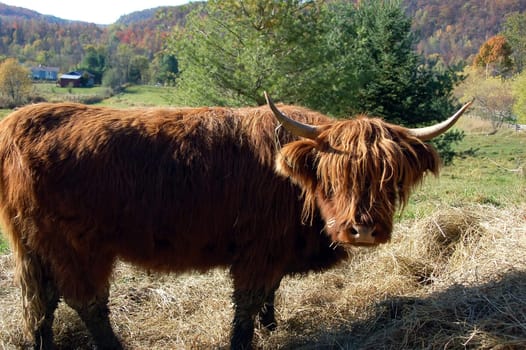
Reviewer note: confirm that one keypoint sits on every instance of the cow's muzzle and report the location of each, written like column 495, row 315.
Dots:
column 362, row 234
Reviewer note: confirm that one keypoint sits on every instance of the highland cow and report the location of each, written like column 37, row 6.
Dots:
column 178, row 189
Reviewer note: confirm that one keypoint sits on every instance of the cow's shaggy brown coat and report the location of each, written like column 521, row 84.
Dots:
column 190, row 189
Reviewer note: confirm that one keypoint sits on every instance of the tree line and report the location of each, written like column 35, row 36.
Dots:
column 339, row 57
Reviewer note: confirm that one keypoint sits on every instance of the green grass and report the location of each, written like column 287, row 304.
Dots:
column 143, row 96
column 131, row 96
column 491, row 172
column 4, row 247
column 4, row 112
column 52, row 93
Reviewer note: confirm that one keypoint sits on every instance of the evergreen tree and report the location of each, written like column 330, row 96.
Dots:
column 94, row 61
column 337, row 57
column 375, row 70
column 231, row 51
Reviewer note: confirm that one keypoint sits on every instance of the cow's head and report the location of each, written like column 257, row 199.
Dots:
column 358, row 172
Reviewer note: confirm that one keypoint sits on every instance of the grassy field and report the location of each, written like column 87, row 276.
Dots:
column 490, row 171
column 52, row 93
column 142, row 96
column 133, row 95
column 454, row 276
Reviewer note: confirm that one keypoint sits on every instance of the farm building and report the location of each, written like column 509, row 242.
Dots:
column 76, row 79
column 44, row 73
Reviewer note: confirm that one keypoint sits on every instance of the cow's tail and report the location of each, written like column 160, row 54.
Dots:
column 30, row 272
column 37, row 292
column 30, row 275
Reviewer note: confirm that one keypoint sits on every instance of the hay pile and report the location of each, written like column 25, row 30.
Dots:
column 454, row 280
column 470, row 273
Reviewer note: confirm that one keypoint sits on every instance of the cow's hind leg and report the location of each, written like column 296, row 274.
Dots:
column 39, row 297
column 95, row 315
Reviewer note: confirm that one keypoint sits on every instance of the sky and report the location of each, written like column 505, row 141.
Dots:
column 93, row 11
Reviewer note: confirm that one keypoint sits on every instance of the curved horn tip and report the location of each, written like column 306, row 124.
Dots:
column 295, row 127
column 430, row 132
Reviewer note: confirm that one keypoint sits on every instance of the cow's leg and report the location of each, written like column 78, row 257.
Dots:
column 266, row 315
column 247, row 303
column 95, row 315
column 39, row 297
column 43, row 334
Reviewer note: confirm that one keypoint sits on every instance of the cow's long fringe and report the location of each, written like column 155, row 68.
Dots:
column 360, row 161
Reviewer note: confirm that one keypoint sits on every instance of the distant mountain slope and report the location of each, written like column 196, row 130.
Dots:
column 23, row 13
column 147, row 29
column 456, row 29
column 166, row 15
column 140, row 16
column 453, row 29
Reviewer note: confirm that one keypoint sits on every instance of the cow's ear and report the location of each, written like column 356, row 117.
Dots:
column 297, row 161
column 423, row 158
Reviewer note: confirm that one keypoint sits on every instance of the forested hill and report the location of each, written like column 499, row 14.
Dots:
column 146, row 29
column 34, row 38
column 14, row 12
column 455, row 29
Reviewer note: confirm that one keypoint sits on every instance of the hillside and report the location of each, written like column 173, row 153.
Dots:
column 40, row 39
column 454, row 29
column 11, row 12
column 148, row 28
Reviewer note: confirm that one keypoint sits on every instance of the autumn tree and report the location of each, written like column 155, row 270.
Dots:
column 494, row 99
column 15, row 82
column 495, row 56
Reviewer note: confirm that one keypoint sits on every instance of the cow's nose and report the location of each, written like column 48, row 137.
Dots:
column 363, row 234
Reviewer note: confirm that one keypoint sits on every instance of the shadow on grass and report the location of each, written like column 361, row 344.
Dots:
column 486, row 316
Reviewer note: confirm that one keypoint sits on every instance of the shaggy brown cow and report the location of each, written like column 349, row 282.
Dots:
column 190, row 189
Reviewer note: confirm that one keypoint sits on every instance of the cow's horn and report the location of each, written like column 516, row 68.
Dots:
column 295, row 127
column 430, row 132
